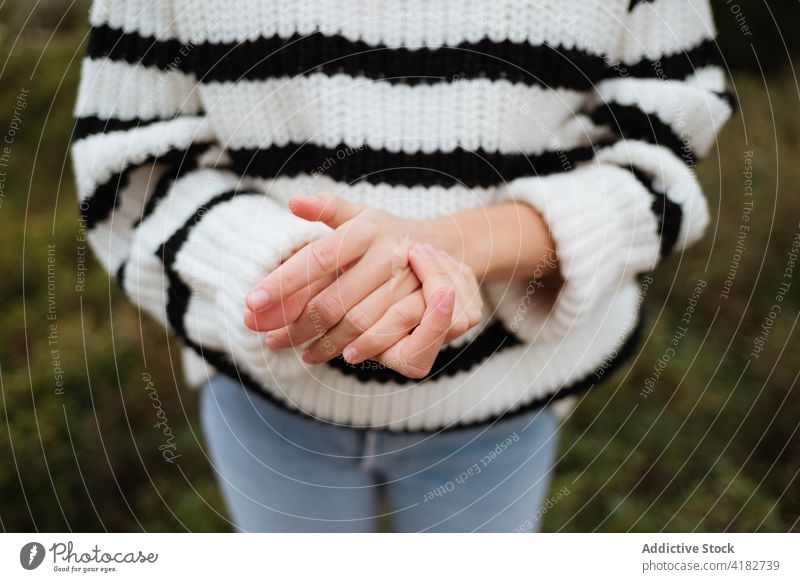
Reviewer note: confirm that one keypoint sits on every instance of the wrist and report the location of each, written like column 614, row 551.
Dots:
column 504, row 241
column 468, row 243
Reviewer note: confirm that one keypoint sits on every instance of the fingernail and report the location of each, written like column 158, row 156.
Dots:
column 270, row 340
column 258, row 299
column 351, row 355
column 431, row 250
column 308, row 357
column 423, row 250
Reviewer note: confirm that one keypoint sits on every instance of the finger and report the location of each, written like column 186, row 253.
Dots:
column 361, row 318
column 315, row 260
column 287, row 312
column 329, row 306
column 465, row 314
column 469, row 292
column 325, row 207
column 414, row 356
column 436, row 270
column 395, row 325
column 433, row 271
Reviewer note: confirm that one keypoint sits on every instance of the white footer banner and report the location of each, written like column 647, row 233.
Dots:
column 355, row 557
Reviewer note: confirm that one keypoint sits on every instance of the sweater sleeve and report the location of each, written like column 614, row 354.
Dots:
column 638, row 199
column 184, row 237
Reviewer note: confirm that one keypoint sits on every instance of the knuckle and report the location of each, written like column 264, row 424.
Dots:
column 367, row 226
column 324, row 312
column 357, row 320
column 324, row 256
column 405, row 315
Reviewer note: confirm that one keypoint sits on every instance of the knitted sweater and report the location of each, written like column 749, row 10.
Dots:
column 198, row 119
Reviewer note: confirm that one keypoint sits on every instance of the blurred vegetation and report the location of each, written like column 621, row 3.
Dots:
column 713, row 447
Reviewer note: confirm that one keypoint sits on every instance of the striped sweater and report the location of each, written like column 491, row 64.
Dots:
column 198, row 119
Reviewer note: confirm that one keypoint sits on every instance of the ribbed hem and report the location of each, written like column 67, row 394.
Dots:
column 521, row 377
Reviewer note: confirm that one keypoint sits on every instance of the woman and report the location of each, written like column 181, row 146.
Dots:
column 393, row 235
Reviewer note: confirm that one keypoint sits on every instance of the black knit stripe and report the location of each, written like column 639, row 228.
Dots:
column 633, row 4
column 268, row 57
column 120, row 274
column 89, row 125
column 676, row 66
column 188, row 163
column 630, row 122
column 132, row 47
column 669, row 214
column 449, row 362
column 99, row 205
column 162, row 188
column 730, row 98
column 588, row 382
column 459, row 167
column 179, row 293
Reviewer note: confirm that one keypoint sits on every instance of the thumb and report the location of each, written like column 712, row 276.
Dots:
column 325, row 207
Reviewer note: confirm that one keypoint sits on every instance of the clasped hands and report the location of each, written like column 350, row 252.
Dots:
column 374, row 288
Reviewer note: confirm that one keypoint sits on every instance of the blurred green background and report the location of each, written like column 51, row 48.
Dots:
column 713, row 447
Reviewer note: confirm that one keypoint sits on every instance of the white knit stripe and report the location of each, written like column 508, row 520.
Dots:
column 707, row 79
column 691, row 109
column 112, row 237
column 99, row 157
column 411, row 202
column 187, row 195
column 146, row 286
column 671, row 176
column 116, row 89
column 144, row 279
column 665, row 27
column 593, row 28
column 393, row 23
column 332, row 110
column 148, row 17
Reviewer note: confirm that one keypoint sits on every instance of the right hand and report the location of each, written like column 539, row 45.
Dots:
column 388, row 341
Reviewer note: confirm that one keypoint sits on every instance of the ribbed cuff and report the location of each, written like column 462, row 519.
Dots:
column 234, row 245
column 601, row 221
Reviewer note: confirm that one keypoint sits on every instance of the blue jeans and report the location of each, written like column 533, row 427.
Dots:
column 282, row 472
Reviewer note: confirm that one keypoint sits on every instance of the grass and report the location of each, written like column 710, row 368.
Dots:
column 712, row 447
